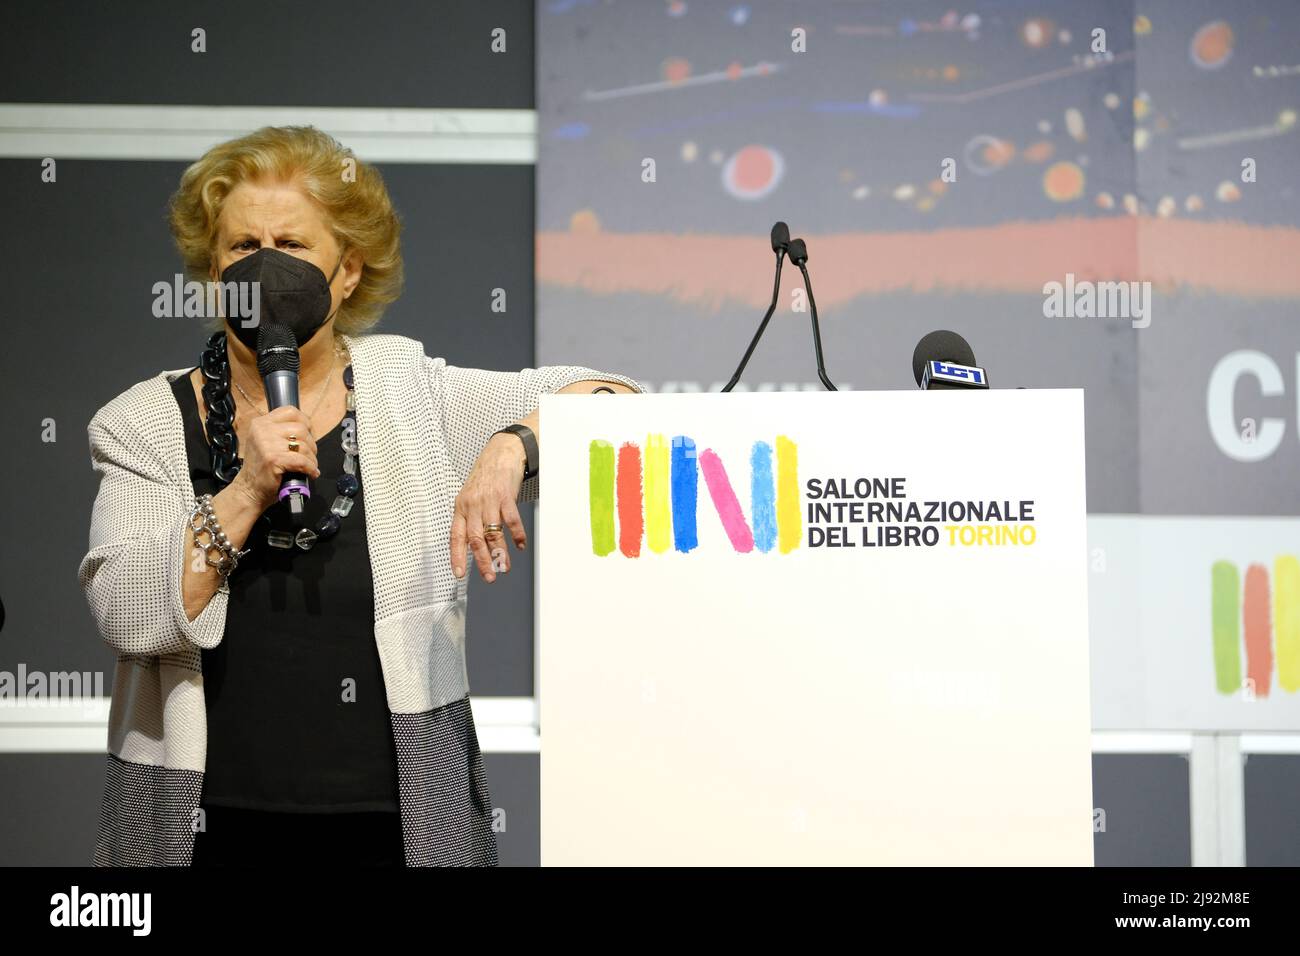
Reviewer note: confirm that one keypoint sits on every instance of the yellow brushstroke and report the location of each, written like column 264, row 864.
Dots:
column 789, row 516
column 658, row 507
column 1286, row 621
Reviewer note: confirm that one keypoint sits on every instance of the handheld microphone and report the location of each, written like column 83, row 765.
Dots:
column 944, row 360
column 780, row 242
column 278, row 364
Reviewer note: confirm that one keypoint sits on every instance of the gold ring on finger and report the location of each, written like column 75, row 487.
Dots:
column 293, row 443
column 491, row 529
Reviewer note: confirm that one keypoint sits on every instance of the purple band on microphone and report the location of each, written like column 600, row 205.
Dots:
column 294, row 485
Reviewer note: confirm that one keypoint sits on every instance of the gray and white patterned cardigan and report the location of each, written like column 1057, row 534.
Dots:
column 421, row 424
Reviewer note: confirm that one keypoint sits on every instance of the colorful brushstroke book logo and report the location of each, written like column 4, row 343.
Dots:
column 654, row 495
column 1262, row 623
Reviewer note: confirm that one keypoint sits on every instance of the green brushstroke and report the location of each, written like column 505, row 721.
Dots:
column 1225, row 621
column 601, row 477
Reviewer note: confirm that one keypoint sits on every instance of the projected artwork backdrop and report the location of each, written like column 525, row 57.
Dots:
column 1095, row 195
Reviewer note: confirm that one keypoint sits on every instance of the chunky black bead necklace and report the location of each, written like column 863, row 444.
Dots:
column 223, row 445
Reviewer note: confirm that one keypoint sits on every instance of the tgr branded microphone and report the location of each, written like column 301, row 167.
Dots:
column 944, row 360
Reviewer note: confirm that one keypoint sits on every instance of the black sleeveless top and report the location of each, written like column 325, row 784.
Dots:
column 297, row 715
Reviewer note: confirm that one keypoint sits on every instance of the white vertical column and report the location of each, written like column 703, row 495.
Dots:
column 537, row 616
column 1218, row 801
column 1231, row 782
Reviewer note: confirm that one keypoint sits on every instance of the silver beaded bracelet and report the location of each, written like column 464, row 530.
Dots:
column 204, row 520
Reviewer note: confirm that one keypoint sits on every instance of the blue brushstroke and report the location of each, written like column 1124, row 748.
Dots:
column 685, row 482
column 566, row 6
column 572, row 131
column 892, row 110
column 762, row 490
column 782, row 104
column 715, row 118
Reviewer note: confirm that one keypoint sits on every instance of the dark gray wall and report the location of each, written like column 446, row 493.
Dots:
column 80, row 301
column 330, row 53
column 1146, row 798
column 51, row 807
column 1272, row 826
column 50, row 799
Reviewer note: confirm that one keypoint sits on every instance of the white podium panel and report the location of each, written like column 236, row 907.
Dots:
column 814, row 628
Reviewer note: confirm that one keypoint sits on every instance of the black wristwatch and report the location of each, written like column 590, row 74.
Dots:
column 530, row 447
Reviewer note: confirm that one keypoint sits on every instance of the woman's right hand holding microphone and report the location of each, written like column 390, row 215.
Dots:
column 264, row 445
column 265, row 449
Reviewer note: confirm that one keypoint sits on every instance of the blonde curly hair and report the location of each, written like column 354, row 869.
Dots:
column 356, row 206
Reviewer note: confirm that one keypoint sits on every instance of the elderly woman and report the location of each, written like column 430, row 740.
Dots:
column 291, row 687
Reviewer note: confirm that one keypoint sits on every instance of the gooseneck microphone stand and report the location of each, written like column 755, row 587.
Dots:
column 798, row 251
column 780, row 242
column 799, row 256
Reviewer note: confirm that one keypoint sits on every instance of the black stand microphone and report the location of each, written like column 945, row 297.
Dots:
column 780, row 241
column 278, row 363
column 799, row 256
column 944, row 360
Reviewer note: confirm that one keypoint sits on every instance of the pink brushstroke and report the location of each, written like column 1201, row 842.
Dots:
column 724, row 500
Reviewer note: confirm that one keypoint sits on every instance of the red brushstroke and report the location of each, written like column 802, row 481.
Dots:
column 630, row 522
column 1258, row 626
column 1220, row 256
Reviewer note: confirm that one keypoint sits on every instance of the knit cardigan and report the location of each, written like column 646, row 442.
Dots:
column 421, row 425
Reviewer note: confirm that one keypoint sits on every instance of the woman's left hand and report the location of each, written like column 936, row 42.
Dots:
column 488, row 498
